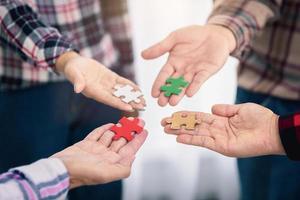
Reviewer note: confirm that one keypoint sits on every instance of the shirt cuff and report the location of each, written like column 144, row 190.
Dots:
column 244, row 18
column 289, row 130
column 235, row 25
column 55, row 47
column 47, row 176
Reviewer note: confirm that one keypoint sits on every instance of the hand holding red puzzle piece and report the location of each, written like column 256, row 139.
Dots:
column 127, row 128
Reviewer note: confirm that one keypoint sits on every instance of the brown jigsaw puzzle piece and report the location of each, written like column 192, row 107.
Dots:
column 183, row 119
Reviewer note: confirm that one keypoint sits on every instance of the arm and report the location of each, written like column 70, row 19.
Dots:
column 116, row 21
column 44, row 179
column 289, row 131
column 44, row 46
column 198, row 52
column 242, row 130
column 21, row 28
column 244, row 18
column 97, row 159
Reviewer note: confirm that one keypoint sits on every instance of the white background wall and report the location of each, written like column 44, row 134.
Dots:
column 165, row 169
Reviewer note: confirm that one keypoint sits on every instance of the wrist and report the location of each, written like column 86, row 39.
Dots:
column 277, row 147
column 68, row 163
column 64, row 59
column 227, row 34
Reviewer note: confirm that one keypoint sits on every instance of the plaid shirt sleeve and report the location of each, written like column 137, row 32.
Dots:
column 116, row 21
column 44, row 179
column 244, row 18
column 289, row 130
column 21, row 28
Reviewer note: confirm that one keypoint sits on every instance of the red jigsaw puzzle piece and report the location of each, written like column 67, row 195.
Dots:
column 126, row 129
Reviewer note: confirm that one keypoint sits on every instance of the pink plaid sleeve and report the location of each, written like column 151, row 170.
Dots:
column 244, row 18
column 21, row 28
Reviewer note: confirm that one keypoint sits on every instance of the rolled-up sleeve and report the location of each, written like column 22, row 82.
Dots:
column 21, row 27
column 244, row 18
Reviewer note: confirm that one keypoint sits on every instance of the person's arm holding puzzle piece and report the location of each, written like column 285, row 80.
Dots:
column 97, row 159
column 44, row 47
column 243, row 130
column 198, row 52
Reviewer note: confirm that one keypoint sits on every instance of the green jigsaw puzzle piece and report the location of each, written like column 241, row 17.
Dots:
column 173, row 86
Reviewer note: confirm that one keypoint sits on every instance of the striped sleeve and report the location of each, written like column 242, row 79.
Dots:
column 20, row 27
column 44, row 179
column 244, row 18
column 289, row 130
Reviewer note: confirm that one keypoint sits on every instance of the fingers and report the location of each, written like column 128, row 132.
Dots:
column 175, row 99
column 76, row 77
column 225, row 110
column 138, row 106
column 160, row 48
column 133, row 146
column 162, row 99
column 163, row 75
column 198, row 80
column 201, row 117
column 118, row 144
column 203, row 127
column 107, row 138
column 98, row 132
column 196, row 140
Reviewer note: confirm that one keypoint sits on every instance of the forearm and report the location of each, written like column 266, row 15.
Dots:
column 44, row 179
column 21, row 28
column 244, row 18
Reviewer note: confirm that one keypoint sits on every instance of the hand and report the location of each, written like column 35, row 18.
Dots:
column 195, row 52
column 234, row 130
column 94, row 80
column 97, row 159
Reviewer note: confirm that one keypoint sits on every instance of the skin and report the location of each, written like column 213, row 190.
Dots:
column 95, row 81
column 98, row 159
column 243, row 130
column 195, row 52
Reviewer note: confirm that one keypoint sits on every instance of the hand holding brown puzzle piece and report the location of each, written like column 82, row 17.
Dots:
column 183, row 119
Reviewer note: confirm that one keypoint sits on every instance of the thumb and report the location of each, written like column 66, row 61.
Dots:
column 77, row 78
column 225, row 110
column 160, row 48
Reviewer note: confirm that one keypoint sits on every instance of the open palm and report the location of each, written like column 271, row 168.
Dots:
column 234, row 130
column 95, row 81
column 98, row 159
column 195, row 52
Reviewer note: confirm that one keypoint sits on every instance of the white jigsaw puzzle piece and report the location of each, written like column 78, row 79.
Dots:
column 127, row 93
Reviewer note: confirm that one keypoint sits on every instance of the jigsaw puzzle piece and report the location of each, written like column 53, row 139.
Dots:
column 174, row 86
column 126, row 128
column 127, row 93
column 169, row 90
column 182, row 119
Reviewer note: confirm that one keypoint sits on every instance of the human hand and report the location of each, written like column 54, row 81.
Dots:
column 98, row 159
column 196, row 53
column 243, row 130
column 95, row 81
